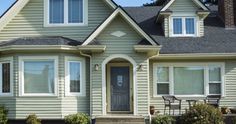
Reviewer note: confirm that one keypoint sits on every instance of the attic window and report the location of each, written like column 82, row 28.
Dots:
column 184, row 26
column 65, row 12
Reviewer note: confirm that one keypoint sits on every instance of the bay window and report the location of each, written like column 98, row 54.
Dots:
column 65, row 12
column 5, row 79
column 184, row 79
column 75, row 80
column 38, row 76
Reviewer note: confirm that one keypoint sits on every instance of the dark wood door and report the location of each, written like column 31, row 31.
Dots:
column 120, row 89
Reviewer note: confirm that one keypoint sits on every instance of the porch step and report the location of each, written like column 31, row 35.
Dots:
column 120, row 120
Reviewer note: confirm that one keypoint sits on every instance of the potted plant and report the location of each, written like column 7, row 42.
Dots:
column 225, row 110
column 152, row 110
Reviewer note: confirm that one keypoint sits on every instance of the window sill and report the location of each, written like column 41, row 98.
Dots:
column 38, row 95
column 75, row 95
column 66, row 25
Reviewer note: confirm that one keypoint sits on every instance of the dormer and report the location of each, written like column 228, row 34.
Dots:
column 183, row 18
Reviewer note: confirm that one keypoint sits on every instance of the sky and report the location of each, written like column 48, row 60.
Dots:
column 5, row 4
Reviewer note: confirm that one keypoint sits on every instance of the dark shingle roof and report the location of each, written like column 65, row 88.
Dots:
column 53, row 40
column 216, row 38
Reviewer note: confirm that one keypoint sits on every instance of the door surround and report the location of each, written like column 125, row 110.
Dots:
column 109, row 66
column 104, row 82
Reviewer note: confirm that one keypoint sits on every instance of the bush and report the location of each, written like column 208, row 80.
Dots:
column 3, row 115
column 202, row 114
column 162, row 119
column 78, row 118
column 33, row 119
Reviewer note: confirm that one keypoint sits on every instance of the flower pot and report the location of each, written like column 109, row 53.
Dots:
column 152, row 110
column 224, row 110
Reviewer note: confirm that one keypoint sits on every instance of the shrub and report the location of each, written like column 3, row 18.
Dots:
column 162, row 119
column 3, row 115
column 202, row 114
column 33, row 119
column 79, row 118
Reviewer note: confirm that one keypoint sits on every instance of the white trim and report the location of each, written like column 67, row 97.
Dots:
column 183, row 19
column 111, row 4
column 12, row 12
column 7, row 60
column 131, row 60
column 205, row 65
column 21, row 74
column 66, row 19
column 111, row 18
column 82, row 76
column 198, row 3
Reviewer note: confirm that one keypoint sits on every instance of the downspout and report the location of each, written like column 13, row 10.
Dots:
column 90, row 61
column 150, row 116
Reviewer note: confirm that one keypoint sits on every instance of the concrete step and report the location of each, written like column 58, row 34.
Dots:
column 120, row 120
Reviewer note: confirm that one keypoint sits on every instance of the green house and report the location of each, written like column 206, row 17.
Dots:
column 61, row 57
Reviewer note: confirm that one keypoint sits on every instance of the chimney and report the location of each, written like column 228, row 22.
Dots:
column 227, row 11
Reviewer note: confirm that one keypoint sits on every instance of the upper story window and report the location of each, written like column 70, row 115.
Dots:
column 184, row 26
column 65, row 12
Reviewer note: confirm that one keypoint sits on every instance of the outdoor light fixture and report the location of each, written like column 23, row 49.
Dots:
column 140, row 67
column 96, row 67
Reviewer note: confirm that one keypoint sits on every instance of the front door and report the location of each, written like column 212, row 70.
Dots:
column 120, row 89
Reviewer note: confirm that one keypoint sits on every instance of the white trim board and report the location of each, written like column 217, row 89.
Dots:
column 110, row 19
column 134, row 64
column 197, row 2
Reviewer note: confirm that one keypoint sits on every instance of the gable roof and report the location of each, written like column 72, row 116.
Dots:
column 216, row 38
column 119, row 11
column 19, row 4
column 197, row 2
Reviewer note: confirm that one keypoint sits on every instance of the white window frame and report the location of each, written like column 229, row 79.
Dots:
column 2, row 61
column 206, row 66
column 22, row 59
column 184, row 34
column 156, row 80
column 82, row 92
column 66, row 16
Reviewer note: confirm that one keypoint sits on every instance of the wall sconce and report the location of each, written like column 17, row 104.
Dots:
column 96, row 67
column 140, row 67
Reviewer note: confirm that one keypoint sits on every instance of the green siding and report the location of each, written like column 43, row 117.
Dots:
column 120, row 45
column 230, row 85
column 185, row 6
column 47, row 107
column 30, row 21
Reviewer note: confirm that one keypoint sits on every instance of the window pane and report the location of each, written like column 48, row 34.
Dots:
column 163, row 74
column 6, row 78
column 177, row 24
column 39, row 77
column 74, row 77
column 162, row 89
column 75, row 11
column 56, row 11
column 215, row 88
column 190, row 28
column 189, row 80
column 215, row 73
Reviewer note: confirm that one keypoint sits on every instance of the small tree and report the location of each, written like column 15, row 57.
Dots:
column 3, row 115
column 33, row 119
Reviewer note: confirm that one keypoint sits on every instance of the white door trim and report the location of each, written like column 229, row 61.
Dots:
column 131, row 60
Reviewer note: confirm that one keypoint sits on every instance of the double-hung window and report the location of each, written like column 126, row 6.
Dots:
column 38, row 76
column 65, row 12
column 185, row 79
column 75, row 80
column 5, row 79
column 184, row 26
